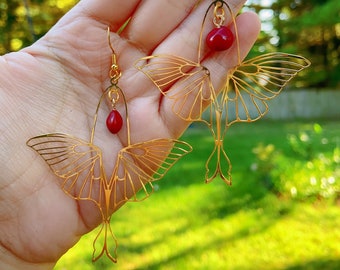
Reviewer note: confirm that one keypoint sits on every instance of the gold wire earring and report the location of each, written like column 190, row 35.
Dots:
column 78, row 164
column 243, row 95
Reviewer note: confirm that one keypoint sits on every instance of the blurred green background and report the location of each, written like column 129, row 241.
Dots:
column 283, row 210
column 308, row 27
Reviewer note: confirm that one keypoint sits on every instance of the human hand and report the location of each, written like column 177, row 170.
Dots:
column 54, row 86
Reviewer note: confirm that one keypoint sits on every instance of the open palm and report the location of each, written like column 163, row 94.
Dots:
column 54, row 86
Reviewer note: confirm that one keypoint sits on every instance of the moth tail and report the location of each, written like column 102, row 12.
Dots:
column 218, row 164
column 105, row 243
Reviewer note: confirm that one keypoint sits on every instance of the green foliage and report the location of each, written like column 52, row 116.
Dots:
column 307, row 172
column 24, row 21
column 309, row 28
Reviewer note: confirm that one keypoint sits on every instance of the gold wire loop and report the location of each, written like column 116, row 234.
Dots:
column 113, row 95
column 114, row 74
column 219, row 15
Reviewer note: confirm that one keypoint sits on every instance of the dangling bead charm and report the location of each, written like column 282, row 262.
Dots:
column 114, row 121
column 220, row 38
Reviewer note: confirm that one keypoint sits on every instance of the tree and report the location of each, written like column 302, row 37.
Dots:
column 310, row 28
column 307, row 27
column 24, row 21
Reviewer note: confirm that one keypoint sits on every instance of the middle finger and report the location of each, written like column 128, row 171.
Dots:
column 155, row 20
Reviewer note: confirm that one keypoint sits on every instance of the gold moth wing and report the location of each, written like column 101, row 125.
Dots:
column 187, row 83
column 254, row 81
column 141, row 164
column 77, row 162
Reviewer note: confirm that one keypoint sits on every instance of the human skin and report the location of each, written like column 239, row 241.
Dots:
column 54, row 85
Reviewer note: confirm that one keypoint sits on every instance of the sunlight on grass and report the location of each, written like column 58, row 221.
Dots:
column 189, row 225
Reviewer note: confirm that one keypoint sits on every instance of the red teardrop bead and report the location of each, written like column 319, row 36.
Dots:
column 114, row 121
column 220, row 38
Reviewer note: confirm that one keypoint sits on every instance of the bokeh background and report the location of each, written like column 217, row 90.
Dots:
column 283, row 210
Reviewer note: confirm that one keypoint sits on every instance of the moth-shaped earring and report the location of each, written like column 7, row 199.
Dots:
column 243, row 95
column 78, row 164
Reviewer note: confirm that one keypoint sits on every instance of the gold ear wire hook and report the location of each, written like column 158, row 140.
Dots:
column 114, row 72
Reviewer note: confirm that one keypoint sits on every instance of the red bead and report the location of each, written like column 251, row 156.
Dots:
column 220, row 38
column 114, row 121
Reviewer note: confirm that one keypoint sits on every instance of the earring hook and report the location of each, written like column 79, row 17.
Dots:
column 114, row 73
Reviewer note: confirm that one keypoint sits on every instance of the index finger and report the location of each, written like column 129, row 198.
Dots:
column 110, row 12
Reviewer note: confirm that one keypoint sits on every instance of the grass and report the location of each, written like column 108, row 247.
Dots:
column 187, row 224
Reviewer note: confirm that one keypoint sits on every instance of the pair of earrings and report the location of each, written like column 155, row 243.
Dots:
column 249, row 84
